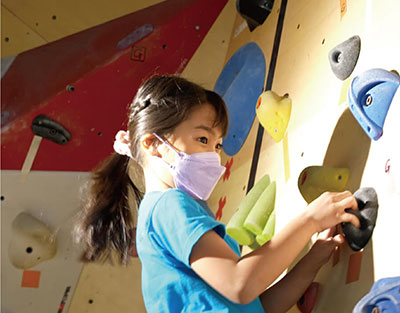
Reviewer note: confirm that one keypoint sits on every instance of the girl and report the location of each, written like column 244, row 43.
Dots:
column 189, row 264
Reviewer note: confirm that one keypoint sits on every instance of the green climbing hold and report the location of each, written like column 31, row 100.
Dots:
column 269, row 230
column 235, row 227
column 259, row 214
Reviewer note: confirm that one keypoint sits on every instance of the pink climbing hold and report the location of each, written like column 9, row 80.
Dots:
column 307, row 302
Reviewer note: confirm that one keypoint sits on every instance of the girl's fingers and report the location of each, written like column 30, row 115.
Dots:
column 348, row 203
column 342, row 195
column 350, row 218
column 338, row 239
column 327, row 233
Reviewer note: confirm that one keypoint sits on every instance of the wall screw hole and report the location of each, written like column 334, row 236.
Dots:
column 70, row 88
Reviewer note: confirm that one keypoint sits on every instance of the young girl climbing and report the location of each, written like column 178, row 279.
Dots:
column 189, row 263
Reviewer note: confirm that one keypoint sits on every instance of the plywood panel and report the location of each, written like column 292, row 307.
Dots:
column 107, row 288
column 303, row 71
column 52, row 20
column 234, row 188
column 319, row 126
column 54, row 199
column 122, row 290
column 16, row 36
column 208, row 60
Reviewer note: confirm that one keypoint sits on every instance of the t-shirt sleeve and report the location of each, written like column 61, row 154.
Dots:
column 179, row 222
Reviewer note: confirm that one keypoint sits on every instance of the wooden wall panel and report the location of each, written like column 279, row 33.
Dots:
column 322, row 131
column 118, row 289
column 234, row 189
column 52, row 20
column 16, row 36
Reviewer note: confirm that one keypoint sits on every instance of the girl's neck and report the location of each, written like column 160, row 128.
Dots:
column 153, row 182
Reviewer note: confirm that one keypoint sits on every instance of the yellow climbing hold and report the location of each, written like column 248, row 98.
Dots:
column 315, row 180
column 273, row 112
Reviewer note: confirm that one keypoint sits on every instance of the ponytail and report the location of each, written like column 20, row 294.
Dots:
column 107, row 223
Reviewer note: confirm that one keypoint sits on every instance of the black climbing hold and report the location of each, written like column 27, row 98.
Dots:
column 343, row 58
column 45, row 127
column 367, row 200
column 254, row 12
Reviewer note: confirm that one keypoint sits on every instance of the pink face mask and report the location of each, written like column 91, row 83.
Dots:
column 197, row 173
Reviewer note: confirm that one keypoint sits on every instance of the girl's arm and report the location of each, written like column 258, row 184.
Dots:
column 243, row 279
column 284, row 294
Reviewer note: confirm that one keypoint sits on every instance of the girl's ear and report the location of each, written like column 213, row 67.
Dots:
column 149, row 145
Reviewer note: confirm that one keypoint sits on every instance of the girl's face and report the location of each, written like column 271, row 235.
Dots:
column 195, row 134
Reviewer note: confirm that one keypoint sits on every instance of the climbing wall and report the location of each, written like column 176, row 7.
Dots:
column 75, row 65
column 60, row 60
column 296, row 39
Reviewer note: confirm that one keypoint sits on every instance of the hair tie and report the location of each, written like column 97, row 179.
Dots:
column 122, row 144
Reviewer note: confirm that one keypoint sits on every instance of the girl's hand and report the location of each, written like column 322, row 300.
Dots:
column 328, row 210
column 321, row 251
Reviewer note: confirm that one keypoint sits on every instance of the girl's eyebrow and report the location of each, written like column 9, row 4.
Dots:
column 208, row 129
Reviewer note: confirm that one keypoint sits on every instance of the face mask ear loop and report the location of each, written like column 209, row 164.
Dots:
column 171, row 147
column 164, row 141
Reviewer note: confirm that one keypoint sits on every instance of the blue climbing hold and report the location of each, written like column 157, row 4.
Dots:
column 240, row 84
column 384, row 297
column 369, row 98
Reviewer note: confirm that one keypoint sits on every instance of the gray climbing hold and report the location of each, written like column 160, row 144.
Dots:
column 343, row 58
column 6, row 62
column 367, row 213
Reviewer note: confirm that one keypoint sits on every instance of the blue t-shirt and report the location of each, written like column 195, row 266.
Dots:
column 170, row 223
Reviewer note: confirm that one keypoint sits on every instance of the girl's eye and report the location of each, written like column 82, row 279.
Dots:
column 218, row 146
column 203, row 140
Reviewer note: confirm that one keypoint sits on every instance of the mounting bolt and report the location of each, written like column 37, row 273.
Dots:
column 368, row 102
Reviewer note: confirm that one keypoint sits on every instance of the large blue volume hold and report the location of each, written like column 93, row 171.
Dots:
column 369, row 98
column 384, row 297
column 240, row 84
